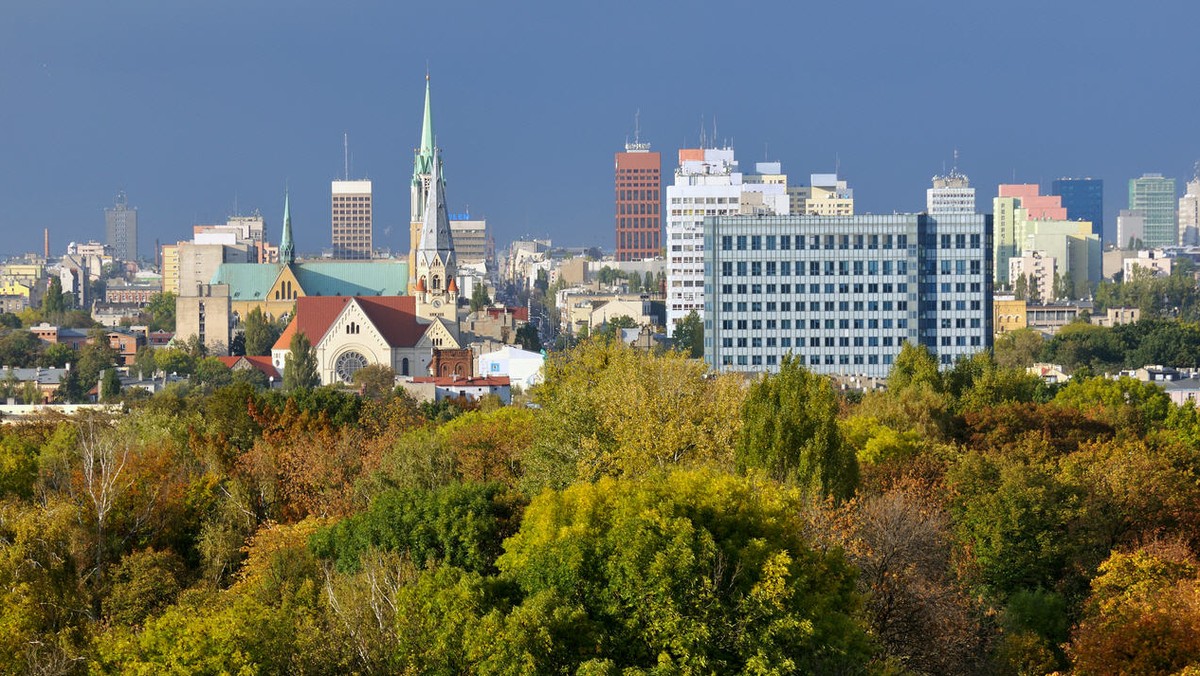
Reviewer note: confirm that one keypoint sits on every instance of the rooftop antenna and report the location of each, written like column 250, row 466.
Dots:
column 346, row 154
column 954, row 170
column 637, row 126
column 701, row 131
column 766, row 155
column 837, row 164
column 235, row 204
column 1196, row 170
column 714, row 136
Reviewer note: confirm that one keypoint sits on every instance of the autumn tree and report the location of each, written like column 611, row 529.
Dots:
column 260, row 333
column 790, row 431
column 375, row 381
column 689, row 335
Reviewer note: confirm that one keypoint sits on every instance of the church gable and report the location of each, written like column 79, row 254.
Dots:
column 286, row 286
column 439, row 336
column 353, row 326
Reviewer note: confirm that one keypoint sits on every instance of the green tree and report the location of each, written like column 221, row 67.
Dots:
column 212, row 372
column 300, row 365
column 19, row 348
column 53, row 303
column 689, row 335
column 790, row 431
column 260, row 332
column 144, row 363
column 528, row 338
column 161, row 311
column 1018, row 349
column 691, row 572
column 376, row 381
column 648, row 283
column 110, row 385
column 611, row 329
column 479, row 298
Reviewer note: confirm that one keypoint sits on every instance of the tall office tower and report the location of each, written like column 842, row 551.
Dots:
column 470, row 237
column 1083, row 198
column 638, row 217
column 422, row 170
column 1154, row 196
column 707, row 183
column 950, row 194
column 844, row 293
column 121, row 226
column 1189, row 212
column 351, row 219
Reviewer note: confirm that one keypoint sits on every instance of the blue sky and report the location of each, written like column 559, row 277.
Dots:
column 193, row 107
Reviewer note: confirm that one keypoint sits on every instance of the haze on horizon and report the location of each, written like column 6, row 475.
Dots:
column 195, row 109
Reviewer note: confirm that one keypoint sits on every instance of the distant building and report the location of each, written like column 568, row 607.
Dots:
column 1131, row 229
column 826, row 195
column 950, row 194
column 1152, row 261
column 1039, row 271
column 351, row 214
column 470, row 237
column 1083, row 198
column 1154, row 196
column 1189, row 213
column 430, row 388
column 638, row 217
column 522, row 367
column 121, row 226
column 1028, row 221
column 844, row 293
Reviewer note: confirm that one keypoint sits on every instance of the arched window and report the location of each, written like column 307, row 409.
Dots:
column 404, row 366
column 437, row 283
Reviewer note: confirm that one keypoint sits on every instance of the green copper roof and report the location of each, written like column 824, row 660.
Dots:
column 424, row 154
column 252, row 281
column 287, row 250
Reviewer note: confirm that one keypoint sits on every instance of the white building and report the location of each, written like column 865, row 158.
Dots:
column 707, row 183
column 1154, row 261
column 1038, row 269
column 950, row 194
column 523, row 368
column 1189, row 213
column 1131, row 229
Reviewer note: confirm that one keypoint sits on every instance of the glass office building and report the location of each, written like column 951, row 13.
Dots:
column 1083, row 199
column 844, row 293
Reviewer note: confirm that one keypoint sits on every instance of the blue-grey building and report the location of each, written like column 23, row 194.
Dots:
column 845, row 293
column 1083, row 198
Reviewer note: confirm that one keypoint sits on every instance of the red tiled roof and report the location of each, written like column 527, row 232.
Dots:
column 262, row 363
column 450, row 381
column 519, row 313
column 395, row 317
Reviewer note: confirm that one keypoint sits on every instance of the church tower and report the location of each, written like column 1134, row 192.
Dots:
column 287, row 250
column 422, row 169
column 436, row 287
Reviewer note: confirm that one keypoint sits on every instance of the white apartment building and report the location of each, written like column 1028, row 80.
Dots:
column 707, row 184
column 1189, row 214
column 950, row 194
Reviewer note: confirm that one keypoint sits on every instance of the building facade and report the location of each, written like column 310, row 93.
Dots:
column 1154, row 196
column 121, row 228
column 707, row 184
column 1189, row 214
column 638, row 214
column 351, row 216
column 1083, row 198
column 844, row 293
column 950, row 194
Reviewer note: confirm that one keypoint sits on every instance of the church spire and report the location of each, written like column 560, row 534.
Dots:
column 423, row 158
column 435, row 230
column 287, row 251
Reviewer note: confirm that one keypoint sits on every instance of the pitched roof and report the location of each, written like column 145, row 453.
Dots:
column 474, row 381
column 262, row 363
column 395, row 317
column 253, row 281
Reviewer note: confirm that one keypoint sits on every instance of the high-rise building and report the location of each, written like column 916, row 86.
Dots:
column 1083, row 198
column 1189, row 212
column 1131, row 229
column 844, row 293
column 122, row 229
column 707, row 183
column 470, row 241
column 1154, row 196
column 950, row 194
column 1028, row 221
column 826, row 195
column 638, row 217
column 351, row 219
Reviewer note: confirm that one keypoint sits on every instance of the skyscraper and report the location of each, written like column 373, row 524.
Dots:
column 121, row 228
column 1083, row 198
column 1189, row 212
column 950, row 194
column 351, row 219
column 1154, row 196
column 638, row 217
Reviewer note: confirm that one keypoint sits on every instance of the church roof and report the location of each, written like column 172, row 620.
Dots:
column 395, row 317
column 253, row 281
column 436, row 240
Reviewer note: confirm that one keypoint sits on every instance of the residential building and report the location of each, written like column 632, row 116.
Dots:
column 1131, row 229
column 1028, row 221
column 121, row 227
column 1154, row 196
column 1083, row 198
column 1189, row 213
column 205, row 313
column 826, row 195
column 844, row 293
column 638, row 217
column 522, row 367
column 471, row 241
column 121, row 291
column 1039, row 272
column 170, row 268
column 351, row 216
column 707, row 184
column 1153, row 262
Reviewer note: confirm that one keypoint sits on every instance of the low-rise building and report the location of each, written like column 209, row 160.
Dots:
column 430, row 388
column 522, row 367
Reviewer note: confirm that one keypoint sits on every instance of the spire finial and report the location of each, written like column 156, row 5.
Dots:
column 424, row 154
column 286, row 248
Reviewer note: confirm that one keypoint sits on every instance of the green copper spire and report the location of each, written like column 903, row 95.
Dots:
column 287, row 251
column 424, row 156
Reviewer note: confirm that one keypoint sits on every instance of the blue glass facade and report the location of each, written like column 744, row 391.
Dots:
column 1083, row 199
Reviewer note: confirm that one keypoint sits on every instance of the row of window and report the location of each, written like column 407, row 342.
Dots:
column 637, row 207
column 626, row 195
column 843, row 288
column 786, row 242
column 811, row 359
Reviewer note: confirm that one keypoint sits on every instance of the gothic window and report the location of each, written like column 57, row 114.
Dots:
column 437, row 281
column 404, row 366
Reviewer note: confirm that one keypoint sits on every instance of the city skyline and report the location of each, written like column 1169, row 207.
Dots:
column 198, row 112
